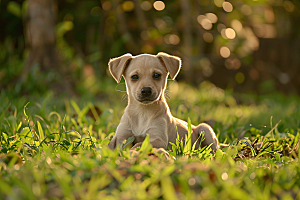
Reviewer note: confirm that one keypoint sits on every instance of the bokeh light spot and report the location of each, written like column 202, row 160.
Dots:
column 265, row 30
column 253, row 175
column 207, row 71
column 224, row 176
column 284, row 78
column 212, row 17
column 166, row 39
column 192, row 181
column 236, row 25
column 224, row 52
column 160, row 24
column 67, row 25
column 107, row 6
column 206, row 24
column 233, row 63
column 48, row 160
column 138, row 176
column 220, row 27
column 17, row 167
column 200, row 18
column 96, row 11
column 227, row 6
column 174, row 39
column 223, row 34
column 208, row 37
column 127, row 6
column 206, row 67
column 230, row 33
column 239, row 113
column 246, row 10
column 218, row 3
column 239, row 77
column 146, row 5
column 159, row 5
column 289, row 6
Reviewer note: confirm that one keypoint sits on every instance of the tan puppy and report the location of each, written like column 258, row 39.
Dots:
column 147, row 111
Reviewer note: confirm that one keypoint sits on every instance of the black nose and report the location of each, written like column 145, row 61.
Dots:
column 146, row 92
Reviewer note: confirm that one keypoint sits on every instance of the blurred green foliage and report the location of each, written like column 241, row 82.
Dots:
column 212, row 37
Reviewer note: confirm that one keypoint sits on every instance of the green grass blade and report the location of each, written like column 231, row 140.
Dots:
column 128, row 142
column 3, row 112
column 41, row 132
column 249, row 145
column 145, row 144
column 24, row 110
column 90, row 138
column 168, row 190
column 76, row 107
column 188, row 138
column 271, row 131
column 55, row 113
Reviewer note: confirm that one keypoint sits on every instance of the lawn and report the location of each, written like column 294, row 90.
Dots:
column 56, row 148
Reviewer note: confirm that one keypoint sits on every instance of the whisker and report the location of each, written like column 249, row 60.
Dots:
column 168, row 91
column 167, row 94
column 124, row 97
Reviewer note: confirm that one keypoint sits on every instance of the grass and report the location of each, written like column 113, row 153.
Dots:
column 56, row 148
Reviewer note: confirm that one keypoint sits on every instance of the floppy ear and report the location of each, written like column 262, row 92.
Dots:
column 172, row 63
column 118, row 65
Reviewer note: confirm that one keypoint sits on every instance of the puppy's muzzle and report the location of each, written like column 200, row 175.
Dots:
column 146, row 95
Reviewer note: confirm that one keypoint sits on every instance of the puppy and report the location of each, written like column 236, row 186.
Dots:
column 147, row 111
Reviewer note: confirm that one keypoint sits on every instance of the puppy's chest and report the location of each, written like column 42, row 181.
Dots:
column 140, row 125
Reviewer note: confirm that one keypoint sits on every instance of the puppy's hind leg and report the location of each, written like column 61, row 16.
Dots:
column 112, row 144
column 209, row 136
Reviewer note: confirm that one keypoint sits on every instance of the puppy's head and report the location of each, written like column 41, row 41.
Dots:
column 145, row 75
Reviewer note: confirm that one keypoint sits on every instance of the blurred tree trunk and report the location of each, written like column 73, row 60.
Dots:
column 40, row 30
column 123, row 28
column 40, row 34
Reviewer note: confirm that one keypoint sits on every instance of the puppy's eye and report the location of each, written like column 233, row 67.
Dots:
column 135, row 77
column 156, row 76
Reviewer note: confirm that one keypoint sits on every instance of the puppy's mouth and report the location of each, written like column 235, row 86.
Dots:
column 146, row 100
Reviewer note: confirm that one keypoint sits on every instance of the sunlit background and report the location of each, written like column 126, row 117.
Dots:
column 243, row 45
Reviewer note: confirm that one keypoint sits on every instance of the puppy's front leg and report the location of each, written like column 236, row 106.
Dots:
column 123, row 132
